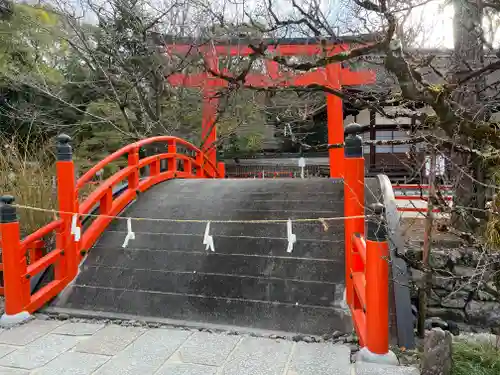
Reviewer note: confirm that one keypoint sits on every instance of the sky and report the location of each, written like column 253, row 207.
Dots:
column 437, row 23
column 434, row 21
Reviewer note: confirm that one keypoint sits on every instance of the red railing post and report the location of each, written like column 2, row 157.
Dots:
column 222, row 169
column 377, row 290
column 354, row 199
column 67, row 197
column 16, row 287
column 172, row 162
column 106, row 202
column 200, row 169
column 377, row 282
column 133, row 161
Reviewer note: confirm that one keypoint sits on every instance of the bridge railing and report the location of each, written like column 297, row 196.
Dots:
column 24, row 259
column 367, row 260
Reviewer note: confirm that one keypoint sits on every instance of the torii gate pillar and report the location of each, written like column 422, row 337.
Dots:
column 335, row 123
column 209, row 110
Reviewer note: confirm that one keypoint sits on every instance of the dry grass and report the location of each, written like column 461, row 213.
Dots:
column 492, row 232
column 28, row 176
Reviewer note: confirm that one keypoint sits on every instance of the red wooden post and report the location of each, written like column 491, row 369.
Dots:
column 222, row 169
column 172, row 162
column 377, row 287
column 133, row 161
column 209, row 111
column 354, row 198
column 335, row 122
column 16, row 288
column 200, row 169
column 188, row 167
column 67, row 198
column 106, row 202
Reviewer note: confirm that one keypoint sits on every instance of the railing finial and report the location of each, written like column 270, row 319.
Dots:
column 64, row 150
column 353, row 147
column 7, row 210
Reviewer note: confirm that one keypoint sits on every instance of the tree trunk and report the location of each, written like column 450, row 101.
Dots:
column 425, row 288
column 468, row 55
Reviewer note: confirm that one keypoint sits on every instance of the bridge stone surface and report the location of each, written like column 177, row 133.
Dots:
column 249, row 280
column 76, row 348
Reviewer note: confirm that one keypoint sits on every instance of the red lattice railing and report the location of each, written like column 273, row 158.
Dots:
column 24, row 259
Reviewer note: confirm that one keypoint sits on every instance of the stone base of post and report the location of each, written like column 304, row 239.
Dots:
column 7, row 321
column 389, row 358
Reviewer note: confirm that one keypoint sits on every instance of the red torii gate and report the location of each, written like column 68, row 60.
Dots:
column 333, row 76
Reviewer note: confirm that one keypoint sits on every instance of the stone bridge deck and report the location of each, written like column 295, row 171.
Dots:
column 47, row 347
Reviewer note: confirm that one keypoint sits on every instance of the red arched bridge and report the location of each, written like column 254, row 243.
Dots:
column 168, row 237
column 335, row 275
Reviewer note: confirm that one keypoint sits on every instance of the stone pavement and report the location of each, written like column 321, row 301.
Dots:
column 48, row 347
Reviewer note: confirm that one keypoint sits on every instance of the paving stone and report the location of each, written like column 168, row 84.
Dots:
column 29, row 332
column 39, row 352
column 146, row 354
column 258, row 356
column 110, row 340
column 74, row 363
column 5, row 349
column 362, row 368
column 78, row 329
column 12, row 371
column 208, row 348
column 185, row 369
column 320, row 359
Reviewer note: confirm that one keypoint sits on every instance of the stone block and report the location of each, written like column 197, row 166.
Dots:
column 5, row 349
column 483, row 313
column 12, row 371
column 73, row 363
column 186, row 369
column 29, row 332
column 437, row 356
column 258, row 356
column 456, row 300
column 39, row 352
column 439, row 259
column 110, row 340
column 456, row 315
column 320, row 359
column 485, row 296
column 443, row 282
column 78, row 329
column 208, row 348
column 465, row 271
column 146, row 354
column 363, row 368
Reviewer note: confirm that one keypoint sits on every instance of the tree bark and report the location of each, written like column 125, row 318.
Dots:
column 425, row 288
column 468, row 55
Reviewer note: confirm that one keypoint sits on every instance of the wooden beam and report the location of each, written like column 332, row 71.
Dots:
column 274, row 79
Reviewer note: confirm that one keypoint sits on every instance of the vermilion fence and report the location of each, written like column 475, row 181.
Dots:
column 413, row 198
column 23, row 259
